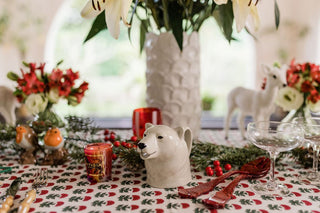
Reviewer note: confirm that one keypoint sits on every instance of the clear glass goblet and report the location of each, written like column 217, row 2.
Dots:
column 300, row 121
column 274, row 137
column 311, row 128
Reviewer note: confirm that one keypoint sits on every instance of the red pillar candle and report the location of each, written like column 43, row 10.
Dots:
column 98, row 158
column 142, row 116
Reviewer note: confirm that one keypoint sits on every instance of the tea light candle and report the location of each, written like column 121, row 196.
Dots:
column 98, row 157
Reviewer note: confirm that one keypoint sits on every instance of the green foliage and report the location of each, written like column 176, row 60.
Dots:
column 207, row 102
column 131, row 158
column 98, row 25
column 224, row 17
column 175, row 13
column 276, row 14
column 203, row 154
column 12, row 76
column 168, row 15
column 7, row 132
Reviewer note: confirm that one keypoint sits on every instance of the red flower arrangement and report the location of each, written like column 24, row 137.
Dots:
column 305, row 78
column 303, row 87
column 40, row 90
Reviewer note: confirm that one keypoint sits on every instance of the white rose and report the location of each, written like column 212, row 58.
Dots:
column 54, row 96
column 218, row 2
column 289, row 98
column 314, row 107
column 36, row 103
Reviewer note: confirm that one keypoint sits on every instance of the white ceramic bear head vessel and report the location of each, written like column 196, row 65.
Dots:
column 166, row 154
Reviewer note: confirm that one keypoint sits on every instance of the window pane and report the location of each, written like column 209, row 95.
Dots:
column 115, row 69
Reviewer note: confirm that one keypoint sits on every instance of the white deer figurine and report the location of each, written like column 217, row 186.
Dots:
column 8, row 104
column 256, row 103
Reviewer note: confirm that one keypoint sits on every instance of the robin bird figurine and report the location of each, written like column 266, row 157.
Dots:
column 28, row 140
column 54, row 141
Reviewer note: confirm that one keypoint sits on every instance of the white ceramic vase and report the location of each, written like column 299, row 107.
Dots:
column 173, row 79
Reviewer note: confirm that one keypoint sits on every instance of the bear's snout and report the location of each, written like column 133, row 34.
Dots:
column 142, row 145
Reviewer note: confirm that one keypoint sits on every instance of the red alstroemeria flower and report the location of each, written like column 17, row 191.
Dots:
column 56, row 76
column 292, row 78
column 83, row 87
column 307, row 86
column 314, row 96
column 79, row 96
column 33, row 67
column 315, row 73
column 37, row 81
column 41, row 68
column 71, row 76
column 29, row 83
column 64, row 89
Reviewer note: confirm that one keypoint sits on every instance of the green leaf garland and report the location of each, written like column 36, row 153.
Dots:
column 202, row 154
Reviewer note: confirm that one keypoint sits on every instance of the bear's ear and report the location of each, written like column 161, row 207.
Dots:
column 180, row 132
column 148, row 125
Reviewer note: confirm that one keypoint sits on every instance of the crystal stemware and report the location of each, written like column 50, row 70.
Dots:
column 274, row 137
column 311, row 128
column 300, row 121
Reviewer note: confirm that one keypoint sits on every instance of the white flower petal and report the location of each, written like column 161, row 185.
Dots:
column 220, row 1
column 241, row 11
column 314, row 107
column 89, row 12
column 289, row 98
column 113, row 10
column 255, row 16
column 125, row 6
column 53, row 95
column 36, row 103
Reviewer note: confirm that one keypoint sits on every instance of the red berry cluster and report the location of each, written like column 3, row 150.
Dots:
column 217, row 169
column 118, row 143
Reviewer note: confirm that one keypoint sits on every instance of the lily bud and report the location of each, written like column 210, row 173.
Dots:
column 12, row 76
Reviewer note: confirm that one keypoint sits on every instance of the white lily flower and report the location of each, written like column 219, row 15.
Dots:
column 114, row 10
column 241, row 10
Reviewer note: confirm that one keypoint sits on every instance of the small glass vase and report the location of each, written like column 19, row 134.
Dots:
column 45, row 120
column 301, row 112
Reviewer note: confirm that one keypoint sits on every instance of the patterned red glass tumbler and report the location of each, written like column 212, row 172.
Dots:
column 98, row 157
column 142, row 116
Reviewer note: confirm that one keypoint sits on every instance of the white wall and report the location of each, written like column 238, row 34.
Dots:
column 23, row 37
column 297, row 36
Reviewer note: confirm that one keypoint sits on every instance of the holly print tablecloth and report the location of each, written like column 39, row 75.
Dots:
column 69, row 191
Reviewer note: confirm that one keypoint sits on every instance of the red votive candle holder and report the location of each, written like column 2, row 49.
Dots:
column 98, row 158
column 142, row 116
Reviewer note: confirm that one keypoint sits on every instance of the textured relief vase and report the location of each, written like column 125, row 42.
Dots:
column 173, row 79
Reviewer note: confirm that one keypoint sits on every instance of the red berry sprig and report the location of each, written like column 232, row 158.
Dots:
column 227, row 167
column 134, row 138
column 218, row 171
column 216, row 163
column 209, row 171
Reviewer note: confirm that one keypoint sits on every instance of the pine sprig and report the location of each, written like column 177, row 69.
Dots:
column 203, row 154
column 303, row 156
column 131, row 159
column 79, row 124
column 7, row 132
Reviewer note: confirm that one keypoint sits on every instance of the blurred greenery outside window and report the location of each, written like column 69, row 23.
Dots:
column 115, row 69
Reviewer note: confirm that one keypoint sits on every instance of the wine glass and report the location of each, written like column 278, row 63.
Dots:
column 311, row 128
column 274, row 137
